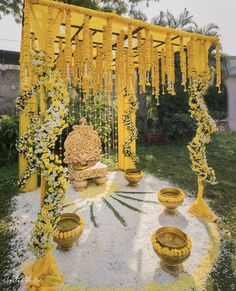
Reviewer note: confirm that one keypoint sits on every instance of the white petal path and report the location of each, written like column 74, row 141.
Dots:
column 114, row 256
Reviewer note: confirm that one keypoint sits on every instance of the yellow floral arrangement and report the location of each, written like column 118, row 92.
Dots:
column 37, row 146
column 165, row 198
column 171, row 252
column 70, row 233
column 205, row 127
column 133, row 132
column 130, row 92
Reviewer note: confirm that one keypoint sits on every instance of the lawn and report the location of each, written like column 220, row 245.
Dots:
column 169, row 162
column 172, row 162
column 8, row 189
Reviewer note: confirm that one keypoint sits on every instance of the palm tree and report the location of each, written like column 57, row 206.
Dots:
column 160, row 19
column 183, row 21
column 209, row 29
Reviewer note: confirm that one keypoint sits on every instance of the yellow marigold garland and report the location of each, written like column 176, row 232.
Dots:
column 183, row 68
column 128, row 122
column 168, row 63
column 205, row 126
column 50, row 40
column 218, row 69
column 163, row 71
column 68, row 49
column 25, row 58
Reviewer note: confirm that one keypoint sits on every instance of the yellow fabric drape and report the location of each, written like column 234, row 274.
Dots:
column 200, row 207
column 39, row 24
column 43, row 274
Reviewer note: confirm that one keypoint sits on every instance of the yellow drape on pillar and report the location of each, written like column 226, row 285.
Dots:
column 43, row 274
column 200, row 207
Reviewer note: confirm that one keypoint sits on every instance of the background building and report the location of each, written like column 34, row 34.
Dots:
column 231, row 87
column 9, row 80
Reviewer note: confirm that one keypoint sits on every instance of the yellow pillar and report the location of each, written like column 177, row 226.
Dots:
column 42, row 190
column 123, row 161
column 23, row 124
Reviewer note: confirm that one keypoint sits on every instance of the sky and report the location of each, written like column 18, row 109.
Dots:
column 221, row 12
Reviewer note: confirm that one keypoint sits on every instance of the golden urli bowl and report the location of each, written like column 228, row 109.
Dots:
column 171, row 198
column 68, row 229
column 173, row 247
column 133, row 176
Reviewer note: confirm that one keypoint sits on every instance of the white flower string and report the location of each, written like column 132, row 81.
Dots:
column 37, row 146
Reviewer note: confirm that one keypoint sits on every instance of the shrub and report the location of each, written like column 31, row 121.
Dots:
column 218, row 114
column 8, row 136
column 178, row 124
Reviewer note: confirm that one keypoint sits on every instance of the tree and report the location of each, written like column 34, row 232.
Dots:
column 183, row 21
column 209, row 29
column 120, row 7
column 137, row 13
column 170, row 107
column 13, row 7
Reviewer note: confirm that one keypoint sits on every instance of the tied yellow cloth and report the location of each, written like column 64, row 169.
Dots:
column 43, row 274
column 200, row 207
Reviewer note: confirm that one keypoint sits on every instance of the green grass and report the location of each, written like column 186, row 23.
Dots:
column 8, row 189
column 172, row 162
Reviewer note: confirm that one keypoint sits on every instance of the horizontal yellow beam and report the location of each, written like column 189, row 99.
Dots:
column 124, row 20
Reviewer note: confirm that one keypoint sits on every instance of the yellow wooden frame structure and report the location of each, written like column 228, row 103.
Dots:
column 48, row 23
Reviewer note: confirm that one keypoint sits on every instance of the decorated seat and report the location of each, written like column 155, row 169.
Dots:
column 82, row 154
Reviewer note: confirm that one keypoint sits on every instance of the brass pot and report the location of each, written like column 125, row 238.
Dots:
column 133, row 176
column 173, row 247
column 171, row 198
column 68, row 229
column 80, row 166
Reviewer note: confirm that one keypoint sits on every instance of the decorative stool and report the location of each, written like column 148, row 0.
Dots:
column 98, row 172
column 82, row 154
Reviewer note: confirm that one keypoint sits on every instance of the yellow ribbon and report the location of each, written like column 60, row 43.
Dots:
column 43, row 274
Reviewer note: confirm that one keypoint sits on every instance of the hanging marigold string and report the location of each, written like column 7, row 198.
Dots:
column 218, row 68
column 168, row 63
column 141, row 62
column 25, row 59
column 68, row 48
column 183, row 64
column 50, row 40
column 163, row 71
column 147, row 57
column 172, row 71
